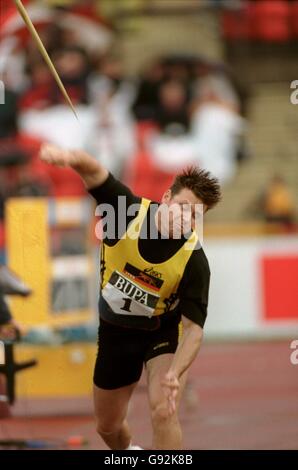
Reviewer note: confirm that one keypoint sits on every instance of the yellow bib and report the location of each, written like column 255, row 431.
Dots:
column 133, row 286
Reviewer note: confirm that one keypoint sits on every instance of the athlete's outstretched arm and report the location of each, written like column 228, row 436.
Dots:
column 90, row 170
column 187, row 351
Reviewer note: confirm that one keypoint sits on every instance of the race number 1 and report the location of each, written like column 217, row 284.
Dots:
column 127, row 304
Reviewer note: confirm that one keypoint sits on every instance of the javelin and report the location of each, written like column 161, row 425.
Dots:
column 44, row 53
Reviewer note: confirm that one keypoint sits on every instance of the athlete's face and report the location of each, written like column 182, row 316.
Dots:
column 179, row 213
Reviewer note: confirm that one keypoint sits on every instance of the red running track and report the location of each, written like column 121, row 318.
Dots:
column 246, row 393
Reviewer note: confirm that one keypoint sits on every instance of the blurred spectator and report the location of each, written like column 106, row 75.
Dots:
column 197, row 110
column 8, row 115
column 109, row 83
column 276, row 204
column 12, row 65
column 218, row 85
column 44, row 112
column 57, row 125
column 17, row 154
column 177, row 68
column 147, row 97
column 172, row 146
column 73, row 66
column 112, row 139
column 38, row 94
column 172, row 108
column 218, row 128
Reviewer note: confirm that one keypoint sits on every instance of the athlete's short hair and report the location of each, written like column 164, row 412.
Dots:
column 201, row 183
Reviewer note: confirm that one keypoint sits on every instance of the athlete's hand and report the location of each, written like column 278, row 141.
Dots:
column 57, row 156
column 90, row 170
column 170, row 385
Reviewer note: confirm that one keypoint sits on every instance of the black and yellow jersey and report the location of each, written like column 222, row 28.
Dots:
column 144, row 279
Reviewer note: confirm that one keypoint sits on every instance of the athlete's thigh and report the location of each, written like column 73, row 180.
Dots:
column 156, row 370
column 110, row 406
column 120, row 358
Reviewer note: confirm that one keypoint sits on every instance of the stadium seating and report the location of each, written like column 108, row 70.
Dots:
column 271, row 21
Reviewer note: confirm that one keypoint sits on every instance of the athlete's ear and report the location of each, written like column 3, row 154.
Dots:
column 167, row 197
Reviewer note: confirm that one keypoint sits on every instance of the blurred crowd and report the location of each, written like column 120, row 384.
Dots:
column 179, row 111
column 184, row 110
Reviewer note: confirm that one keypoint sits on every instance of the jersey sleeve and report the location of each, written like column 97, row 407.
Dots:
column 109, row 193
column 194, row 289
column 110, row 190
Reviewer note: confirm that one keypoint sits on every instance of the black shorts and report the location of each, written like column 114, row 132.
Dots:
column 122, row 352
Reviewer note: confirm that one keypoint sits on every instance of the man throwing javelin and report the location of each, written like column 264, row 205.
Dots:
column 153, row 297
